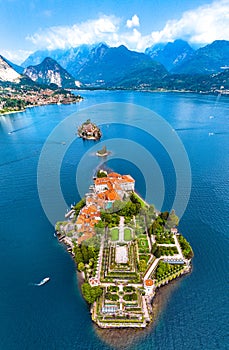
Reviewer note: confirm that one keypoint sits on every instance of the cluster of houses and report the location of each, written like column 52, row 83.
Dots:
column 36, row 98
column 105, row 192
column 89, row 130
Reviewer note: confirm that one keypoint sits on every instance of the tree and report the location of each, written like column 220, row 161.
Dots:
column 91, row 262
column 101, row 173
column 91, row 252
column 78, row 255
column 79, row 206
column 185, row 246
column 81, row 266
column 142, row 265
column 154, row 248
column 90, row 294
column 158, row 252
column 84, row 251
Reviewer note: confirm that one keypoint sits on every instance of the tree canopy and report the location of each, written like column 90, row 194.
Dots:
column 90, row 294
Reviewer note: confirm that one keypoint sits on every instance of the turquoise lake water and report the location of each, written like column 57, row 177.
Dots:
column 195, row 314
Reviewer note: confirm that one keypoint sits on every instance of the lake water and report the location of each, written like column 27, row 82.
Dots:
column 194, row 310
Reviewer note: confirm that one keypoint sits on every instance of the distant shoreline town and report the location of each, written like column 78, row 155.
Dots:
column 13, row 100
column 125, row 250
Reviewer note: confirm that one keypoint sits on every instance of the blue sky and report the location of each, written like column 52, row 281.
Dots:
column 27, row 26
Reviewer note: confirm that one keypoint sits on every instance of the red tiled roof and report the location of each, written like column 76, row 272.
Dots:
column 101, row 181
column 149, row 283
column 114, row 175
column 112, row 195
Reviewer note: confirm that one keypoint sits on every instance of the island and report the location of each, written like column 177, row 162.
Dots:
column 125, row 249
column 103, row 152
column 89, row 131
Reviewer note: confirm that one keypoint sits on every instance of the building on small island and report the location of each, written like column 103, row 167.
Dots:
column 122, row 272
column 89, row 131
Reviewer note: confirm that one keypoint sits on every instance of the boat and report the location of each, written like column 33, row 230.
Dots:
column 45, row 280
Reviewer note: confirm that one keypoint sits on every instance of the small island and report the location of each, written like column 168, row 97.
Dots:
column 125, row 249
column 89, row 131
column 103, row 152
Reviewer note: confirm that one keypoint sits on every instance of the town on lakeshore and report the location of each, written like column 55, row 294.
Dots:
column 15, row 98
column 125, row 250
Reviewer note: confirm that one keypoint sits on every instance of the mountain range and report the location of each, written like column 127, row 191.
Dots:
column 172, row 66
column 100, row 65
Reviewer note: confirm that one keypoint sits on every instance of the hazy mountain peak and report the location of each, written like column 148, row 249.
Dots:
column 170, row 54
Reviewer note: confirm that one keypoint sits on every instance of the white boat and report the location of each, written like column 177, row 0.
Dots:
column 45, row 280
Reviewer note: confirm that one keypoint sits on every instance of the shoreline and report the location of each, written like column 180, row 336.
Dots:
column 41, row 105
column 157, row 91
column 114, row 337
column 13, row 112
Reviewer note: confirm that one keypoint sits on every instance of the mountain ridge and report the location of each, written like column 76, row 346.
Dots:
column 170, row 54
column 50, row 72
column 7, row 72
column 206, row 60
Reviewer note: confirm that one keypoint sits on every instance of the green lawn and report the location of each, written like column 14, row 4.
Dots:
column 114, row 234
column 127, row 234
column 143, row 245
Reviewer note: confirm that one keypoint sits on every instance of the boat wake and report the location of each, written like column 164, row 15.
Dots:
column 42, row 282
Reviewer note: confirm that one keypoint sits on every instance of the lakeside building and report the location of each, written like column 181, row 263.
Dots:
column 104, row 193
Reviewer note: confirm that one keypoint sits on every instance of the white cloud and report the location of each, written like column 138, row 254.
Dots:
column 91, row 31
column 198, row 26
column 133, row 22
